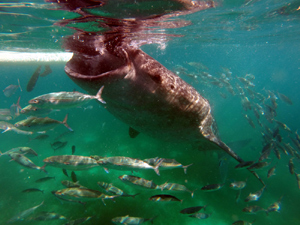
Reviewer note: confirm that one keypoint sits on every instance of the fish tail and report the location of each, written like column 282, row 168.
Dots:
column 193, row 192
column 18, row 103
column 156, row 171
column 64, row 122
column 98, row 95
column 82, row 203
column 103, row 201
column 157, row 166
column 162, row 186
column 185, row 167
column 151, row 219
column 43, row 168
column 133, row 196
column 7, row 129
column 42, row 203
column 19, row 85
column 230, row 152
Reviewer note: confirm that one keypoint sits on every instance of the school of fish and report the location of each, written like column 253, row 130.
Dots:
column 277, row 139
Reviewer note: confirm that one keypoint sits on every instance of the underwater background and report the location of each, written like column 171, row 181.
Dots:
column 253, row 37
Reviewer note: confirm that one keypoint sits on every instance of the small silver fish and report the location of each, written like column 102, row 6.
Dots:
column 31, row 110
column 251, row 93
column 246, row 104
column 265, row 155
column 11, row 89
column 15, row 109
column 110, row 188
column 24, row 161
column 275, row 207
column 70, row 184
column 57, row 195
column 244, row 164
column 43, row 179
column 284, row 98
column 36, row 124
column 39, row 137
column 127, row 163
column 283, row 125
column 291, row 151
column 192, row 210
column 21, row 150
column 250, row 121
column 250, row 76
column 71, row 162
column 212, row 187
column 164, row 198
column 271, row 171
column 200, row 215
column 23, row 215
column 58, row 144
column 62, row 100
column 6, row 118
column 256, row 113
column 255, row 196
column 46, row 216
column 240, row 89
column 82, row 194
column 129, row 220
column 298, row 179
column 175, row 187
column 139, row 182
column 29, row 190
column 297, row 136
column 258, row 165
column 4, row 112
column 291, row 166
column 277, row 152
column 246, row 82
column 260, row 109
column 198, row 65
column 5, row 126
column 253, row 209
column 238, row 185
column 166, row 163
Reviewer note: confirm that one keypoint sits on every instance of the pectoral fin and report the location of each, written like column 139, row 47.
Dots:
column 133, row 133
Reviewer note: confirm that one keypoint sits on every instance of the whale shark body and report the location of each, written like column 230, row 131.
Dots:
column 142, row 93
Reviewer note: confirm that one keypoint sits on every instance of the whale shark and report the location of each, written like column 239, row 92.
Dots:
column 142, row 93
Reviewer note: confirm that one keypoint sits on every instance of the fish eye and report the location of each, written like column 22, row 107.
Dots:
column 35, row 101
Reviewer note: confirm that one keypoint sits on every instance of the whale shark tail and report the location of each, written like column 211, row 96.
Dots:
column 219, row 144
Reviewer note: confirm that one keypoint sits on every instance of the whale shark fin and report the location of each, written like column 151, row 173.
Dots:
column 133, row 133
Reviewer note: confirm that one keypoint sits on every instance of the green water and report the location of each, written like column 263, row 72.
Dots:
column 218, row 39
column 98, row 132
